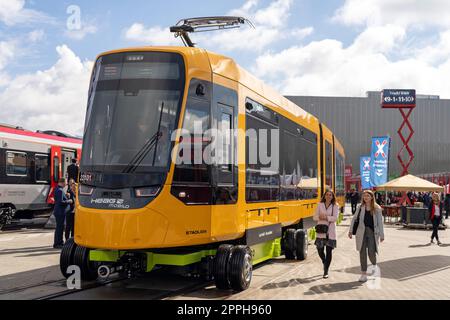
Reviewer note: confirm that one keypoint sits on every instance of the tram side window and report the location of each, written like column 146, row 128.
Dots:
column 328, row 166
column 192, row 167
column 263, row 182
column 340, row 175
column 226, row 127
column 42, row 168
column 299, row 177
column 309, row 178
column 290, row 177
column 16, row 164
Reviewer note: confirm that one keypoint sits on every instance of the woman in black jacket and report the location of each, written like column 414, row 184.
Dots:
column 436, row 213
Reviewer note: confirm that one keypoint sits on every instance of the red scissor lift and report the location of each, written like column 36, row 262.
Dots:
column 405, row 102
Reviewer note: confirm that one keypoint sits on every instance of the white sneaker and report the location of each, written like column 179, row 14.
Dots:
column 375, row 270
column 363, row 278
column 373, row 273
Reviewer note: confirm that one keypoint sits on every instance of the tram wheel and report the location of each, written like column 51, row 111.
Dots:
column 301, row 244
column 81, row 259
column 241, row 268
column 66, row 257
column 221, row 267
column 290, row 244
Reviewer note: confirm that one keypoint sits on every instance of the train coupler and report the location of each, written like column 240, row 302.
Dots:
column 133, row 263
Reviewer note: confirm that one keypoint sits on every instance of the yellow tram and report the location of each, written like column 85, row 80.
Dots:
column 138, row 209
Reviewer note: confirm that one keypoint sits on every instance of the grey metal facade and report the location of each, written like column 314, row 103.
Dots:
column 356, row 120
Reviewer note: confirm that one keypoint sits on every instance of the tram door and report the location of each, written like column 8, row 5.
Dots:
column 66, row 161
column 224, row 171
column 55, row 172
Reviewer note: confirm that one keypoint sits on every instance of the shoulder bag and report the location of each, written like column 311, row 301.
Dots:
column 356, row 224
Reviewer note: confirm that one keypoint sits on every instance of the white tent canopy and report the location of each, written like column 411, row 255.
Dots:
column 410, row 183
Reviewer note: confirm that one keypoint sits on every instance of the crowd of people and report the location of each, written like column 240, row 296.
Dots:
column 392, row 198
column 367, row 223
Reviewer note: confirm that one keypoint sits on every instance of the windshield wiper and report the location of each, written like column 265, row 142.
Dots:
column 148, row 146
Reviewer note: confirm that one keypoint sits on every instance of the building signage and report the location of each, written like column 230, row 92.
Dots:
column 348, row 171
column 397, row 98
column 380, row 160
column 366, row 169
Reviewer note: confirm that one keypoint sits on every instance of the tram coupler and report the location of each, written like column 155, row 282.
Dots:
column 105, row 271
column 133, row 263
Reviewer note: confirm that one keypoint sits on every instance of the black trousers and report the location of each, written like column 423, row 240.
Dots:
column 70, row 221
column 326, row 258
column 436, row 223
column 60, row 219
column 354, row 207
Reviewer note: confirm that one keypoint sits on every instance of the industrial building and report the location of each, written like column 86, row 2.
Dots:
column 355, row 120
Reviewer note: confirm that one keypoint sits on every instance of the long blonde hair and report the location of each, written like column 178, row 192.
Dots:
column 374, row 206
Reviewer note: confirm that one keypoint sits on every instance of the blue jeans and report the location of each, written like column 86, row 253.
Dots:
column 60, row 219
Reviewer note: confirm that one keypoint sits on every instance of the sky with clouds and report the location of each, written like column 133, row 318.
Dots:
column 300, row 47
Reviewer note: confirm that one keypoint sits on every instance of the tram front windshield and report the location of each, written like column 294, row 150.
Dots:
column 134, row 102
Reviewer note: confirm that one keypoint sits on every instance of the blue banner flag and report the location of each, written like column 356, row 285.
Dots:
column 380, row 160
column 366, row 169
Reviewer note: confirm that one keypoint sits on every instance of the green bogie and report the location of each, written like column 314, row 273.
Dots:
column 261, row 252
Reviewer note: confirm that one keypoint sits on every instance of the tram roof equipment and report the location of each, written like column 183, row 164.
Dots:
column 205, row 24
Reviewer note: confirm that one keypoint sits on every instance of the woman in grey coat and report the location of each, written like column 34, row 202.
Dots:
column 370, row 231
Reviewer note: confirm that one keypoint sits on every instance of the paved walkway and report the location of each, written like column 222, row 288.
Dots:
column 410, row 269
column 26, row 250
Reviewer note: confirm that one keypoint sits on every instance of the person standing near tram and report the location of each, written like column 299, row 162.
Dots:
column 62, row 202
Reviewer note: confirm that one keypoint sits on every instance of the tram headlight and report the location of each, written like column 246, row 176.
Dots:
column 86, row 191
column 146, row 192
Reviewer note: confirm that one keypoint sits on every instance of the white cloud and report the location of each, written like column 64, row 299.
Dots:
column 380, row 39
column 437, row 53
column 302, row 32
column 36, row 35
column 7, row 51
column 13, row 12
column 404, row 13
column 85, row 29
column 156, row 36
column 387, row 53
column 272, row 15
column 328, row 68
column 51, row 99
